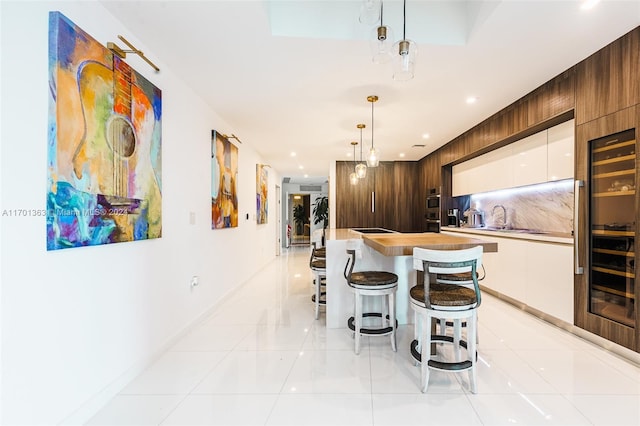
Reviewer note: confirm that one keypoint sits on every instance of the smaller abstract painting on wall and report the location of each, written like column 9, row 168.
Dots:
column 224, row 181
column 262, row 191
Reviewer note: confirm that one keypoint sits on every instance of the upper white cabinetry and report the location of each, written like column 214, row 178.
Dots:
column 542, row 157
column 560, row 146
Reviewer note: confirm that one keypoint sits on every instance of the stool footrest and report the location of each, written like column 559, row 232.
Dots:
column 371, row 331
column 434, row 339
column 322, row 301
column 450, row 366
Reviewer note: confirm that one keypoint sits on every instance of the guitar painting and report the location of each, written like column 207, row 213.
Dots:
column 104, row 154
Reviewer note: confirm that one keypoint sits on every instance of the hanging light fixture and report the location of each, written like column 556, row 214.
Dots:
column 404, row 61
column 353, row 177
column 374, row 156
column 361, row 168
column 382, row 41
column 369, row 12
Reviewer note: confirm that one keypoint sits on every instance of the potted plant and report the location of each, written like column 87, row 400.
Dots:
column 299, row 218
column 321, row 213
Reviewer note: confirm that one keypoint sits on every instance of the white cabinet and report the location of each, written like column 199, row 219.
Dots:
column 542, row 157
column 560, row 147
column 529, row 160
column 536, row 273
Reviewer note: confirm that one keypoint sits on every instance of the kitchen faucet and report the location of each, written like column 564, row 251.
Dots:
column 504, row 215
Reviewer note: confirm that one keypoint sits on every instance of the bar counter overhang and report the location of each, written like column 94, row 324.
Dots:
column 385, row 251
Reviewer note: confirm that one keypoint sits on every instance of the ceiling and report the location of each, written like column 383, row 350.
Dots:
column 294, row 76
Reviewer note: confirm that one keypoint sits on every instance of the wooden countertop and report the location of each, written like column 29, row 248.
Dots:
column 403, row 244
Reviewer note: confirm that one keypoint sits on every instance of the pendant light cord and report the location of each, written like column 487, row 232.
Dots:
column 361, row 144
column 404, row 21
column 372, row 124
column 381, row 14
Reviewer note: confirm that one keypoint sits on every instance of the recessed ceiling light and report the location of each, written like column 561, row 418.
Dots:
column 348, row 154
column 293, row 154
column 402, row 155
column 426, row 136
column 301, row 167
column 306, row 175
column 589, row 4
column 472, row 99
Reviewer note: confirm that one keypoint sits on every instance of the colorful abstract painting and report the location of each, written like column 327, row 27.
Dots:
column 262, row 191
column 224, row 180
column 104, row 155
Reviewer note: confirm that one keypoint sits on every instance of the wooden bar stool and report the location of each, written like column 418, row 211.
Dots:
column 438, row 299
column 372, row 283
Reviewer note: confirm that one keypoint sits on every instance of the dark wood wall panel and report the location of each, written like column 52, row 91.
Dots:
column 551, row 99
column 384, row 188
column 607, row 81
column 405, row 197
column 354, row 202
column 353, row 206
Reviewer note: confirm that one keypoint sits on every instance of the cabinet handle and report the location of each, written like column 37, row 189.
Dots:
column 373, row 202
column 576, row 225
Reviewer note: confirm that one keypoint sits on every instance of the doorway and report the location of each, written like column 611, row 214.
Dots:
column 300, row 212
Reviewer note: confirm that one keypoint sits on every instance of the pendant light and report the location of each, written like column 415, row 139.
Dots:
column 353, row 177
column 404, row 60
column 361, row 168
column 381, row 41
column 374, row 156
column 369, row 12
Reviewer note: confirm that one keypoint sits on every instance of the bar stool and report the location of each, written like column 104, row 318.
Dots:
column 439, row 299
column 318, row 265
column 372, row 283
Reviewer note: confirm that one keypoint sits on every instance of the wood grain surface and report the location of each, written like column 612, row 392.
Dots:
column 403, row 244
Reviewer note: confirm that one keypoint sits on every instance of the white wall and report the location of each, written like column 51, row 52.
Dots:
column 76, row 324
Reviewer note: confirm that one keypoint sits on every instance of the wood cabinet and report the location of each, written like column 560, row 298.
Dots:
column 383, row 199
column 608, row 81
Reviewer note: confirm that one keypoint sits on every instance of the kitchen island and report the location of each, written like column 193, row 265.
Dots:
column 387, row 251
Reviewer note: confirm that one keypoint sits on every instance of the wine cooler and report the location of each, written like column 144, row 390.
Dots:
column 612, row 227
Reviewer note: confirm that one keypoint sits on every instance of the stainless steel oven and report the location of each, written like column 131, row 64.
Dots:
column 433, row 215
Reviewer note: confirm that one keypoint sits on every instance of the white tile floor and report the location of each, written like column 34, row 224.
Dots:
column 262, row 359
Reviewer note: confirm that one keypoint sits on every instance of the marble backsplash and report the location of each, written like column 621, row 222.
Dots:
column 546, row 207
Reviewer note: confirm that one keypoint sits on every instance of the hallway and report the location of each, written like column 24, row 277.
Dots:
column 260, row 358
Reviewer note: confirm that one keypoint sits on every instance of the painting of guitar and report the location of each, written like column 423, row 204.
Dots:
column 104, row 158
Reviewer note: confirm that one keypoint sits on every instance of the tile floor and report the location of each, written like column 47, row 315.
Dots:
column 262, row 359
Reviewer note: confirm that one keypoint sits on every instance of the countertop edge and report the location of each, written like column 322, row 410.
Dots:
column 542, row 238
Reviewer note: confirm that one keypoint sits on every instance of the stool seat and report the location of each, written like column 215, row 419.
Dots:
column 318, row 264
column 320, row 252
column 444, row 295
column 369, row 279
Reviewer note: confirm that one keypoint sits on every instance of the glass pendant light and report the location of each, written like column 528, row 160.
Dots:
column 374, row 156
column 361, row 168
column 369, row 12
column 405, row 59
column 353, row 177
column 382, row 41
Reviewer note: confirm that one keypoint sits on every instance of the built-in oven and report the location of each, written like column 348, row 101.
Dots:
column 432, row 215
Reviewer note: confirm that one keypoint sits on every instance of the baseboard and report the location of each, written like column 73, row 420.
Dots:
column 618, row 350
column 91, row 407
